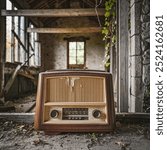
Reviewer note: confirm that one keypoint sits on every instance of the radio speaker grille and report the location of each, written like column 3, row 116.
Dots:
column 75, row 89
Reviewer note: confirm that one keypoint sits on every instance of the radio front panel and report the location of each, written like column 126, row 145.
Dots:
column 76, row 114
column 74, row 101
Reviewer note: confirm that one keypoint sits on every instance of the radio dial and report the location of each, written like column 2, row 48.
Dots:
column 54, row 113
column 96, row 113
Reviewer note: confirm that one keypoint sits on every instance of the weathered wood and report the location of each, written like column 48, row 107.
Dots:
column 13, row 40
column 31, row 47
column 123, row 55
column 13, row 77
column 29, row 117
column 53, row 12
column 65, row 30
column 20, row 42
column 26, row 75
column 132, row 116
column 31, row 107
column 18, row 117
column 2, row 48
column 11, row 80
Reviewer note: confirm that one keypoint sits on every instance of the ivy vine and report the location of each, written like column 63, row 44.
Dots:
column 109, row 29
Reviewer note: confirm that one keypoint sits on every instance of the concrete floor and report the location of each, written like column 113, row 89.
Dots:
column 14, row 136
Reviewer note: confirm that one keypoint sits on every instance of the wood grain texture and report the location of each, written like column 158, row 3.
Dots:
column 65, row 30
column 75, row 89
column 42, row 120
column 53, row 12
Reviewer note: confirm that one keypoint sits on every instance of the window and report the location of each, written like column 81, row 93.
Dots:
column 21, row 46
column 8, row 32
column 34, row 49
column 76, row 54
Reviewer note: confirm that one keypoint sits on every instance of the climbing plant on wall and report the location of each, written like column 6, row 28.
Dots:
column 109, row 29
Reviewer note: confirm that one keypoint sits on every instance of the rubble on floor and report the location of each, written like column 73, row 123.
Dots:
column 21, row 105
column 23, row 136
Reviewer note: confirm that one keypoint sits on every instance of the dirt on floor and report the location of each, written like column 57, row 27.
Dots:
column 17, row 136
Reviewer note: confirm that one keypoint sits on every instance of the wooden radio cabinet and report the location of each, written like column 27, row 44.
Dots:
column 75, row 101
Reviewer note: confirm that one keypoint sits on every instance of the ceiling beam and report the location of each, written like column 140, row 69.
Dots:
column 53, row 12
column 65, row 30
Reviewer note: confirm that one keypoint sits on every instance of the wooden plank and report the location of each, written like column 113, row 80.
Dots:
column 26, row 75
column 133, row 117
column 11, row 80
column 31, row 107
column 2, row 49
column 65, row 30
column 123, row 55
column 31, row 47
column 53, row 12
column 13, row 77
column 18, row 117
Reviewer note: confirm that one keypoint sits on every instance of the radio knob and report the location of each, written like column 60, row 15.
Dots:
column 96, row 113
column 54, row 113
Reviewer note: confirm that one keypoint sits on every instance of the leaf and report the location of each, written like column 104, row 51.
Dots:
column 107, row 65
column 113, row 14
column 105, row 31
column 107, row 14
column 107, row 23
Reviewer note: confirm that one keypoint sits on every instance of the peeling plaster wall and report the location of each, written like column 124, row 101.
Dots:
column 54, row 47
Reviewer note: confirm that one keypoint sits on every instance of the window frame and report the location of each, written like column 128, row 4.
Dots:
column 76, row 66
column 15, row 53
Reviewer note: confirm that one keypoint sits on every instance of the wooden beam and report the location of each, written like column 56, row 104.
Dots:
column 65, row 30
column 53, row 12
column 31, row 107
column 13, row 77
column 2, row 48
column 26, row 75
column 20, row 42
column 29, row 117
column 132, row 116
column 18, row 117
column 123, row 88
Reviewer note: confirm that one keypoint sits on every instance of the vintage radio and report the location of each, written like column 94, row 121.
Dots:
column 75, row 101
